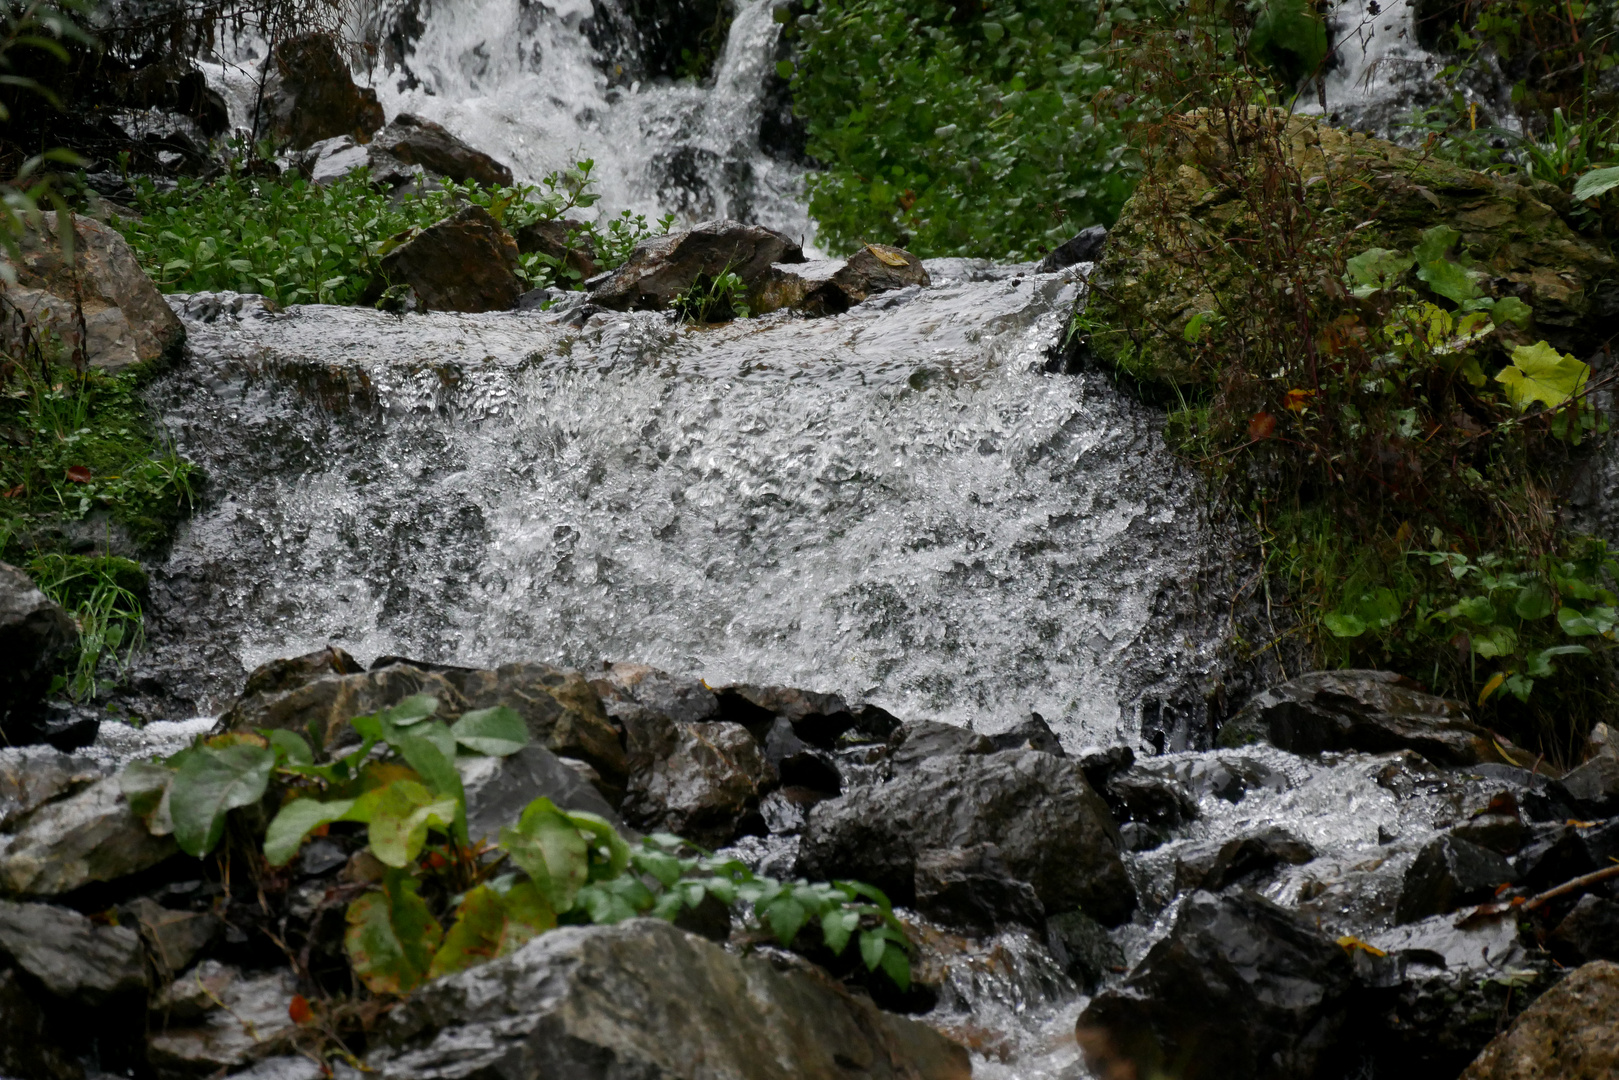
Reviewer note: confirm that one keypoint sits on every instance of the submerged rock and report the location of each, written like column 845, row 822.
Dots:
column 1569, row 1034
column 36, row 637
column 466, row 262
column 1375, row 711
column 829, row 287
column 662, row 266
column 1082, row 946
column 88, row 836
column 73, row 957
column 416, row 141
column 1239, row 988
column 971, row 887
column 1051, row 829
column 1086, row 246
column 310, row 95
column 1214, row 866
column 126, row 321
column 645, row 999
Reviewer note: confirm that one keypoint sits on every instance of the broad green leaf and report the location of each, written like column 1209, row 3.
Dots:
column 146, row 786
column 1540, row 373
column 400, row 818
column 497, row 732
column 289, row 746
column 1376, row 269
column 1344, row 625
column 1379, row 608
column 897, row 966
column 1596, row 620
column 1511, row 309
column 391, row 936
column 549, row 848
column 836, row 927
column 872, row 947
column 427, row 756
column 1475, row 608
column 1450, row 280
column 1596, row 182
column 658, row 865
column 412, row 710
column 1539, row 663
column 1494, row 641
column 1534, row 602
column 1436, row 244
column 602, row 836
column 295, row 821
column 210, row 782
column 490, row 924
column 785, row 917
column 607, row 902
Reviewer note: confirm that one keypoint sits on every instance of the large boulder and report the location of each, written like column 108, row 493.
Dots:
column 661, row 267
column 415, row 141
column 1375, row 711
column 1239, row 988
column 74, row 958
column 1569, row 1034
column 1594, row 786
column 1051, row 829
column 644, row 999
column 1142, row 298
column 31, row 776
column 215, row 1018
column 126, row 321
column 36, row 637
column 309, row 95
column 86, row 837
column 498, row 789
column 466, row 262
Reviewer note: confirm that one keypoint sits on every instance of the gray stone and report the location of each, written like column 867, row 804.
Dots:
column 89, row 836
column 1448, row 873
column 917, row 741
column 309, row 95
column 565, row 240
column 644, row 999
column 1153, row 800
column 1052, row 830
column 1374, row 711
column 1083, row 947
column 415, row 141
column 828, row 287
column 1568, row 1034
column 498, row 788
column 697, row 780
column 215, row 1018
column 1589, row 932
column 662, row 266
column 639, row 686
column 1214, row 866
column 1086, row 246
column 971, row 887
column 1594, row 786
column 76, row 959
column 466, row 262
column 173, row 938
column 1031, row 734
column 36, row 637
column 126, row 321
column 31, row 776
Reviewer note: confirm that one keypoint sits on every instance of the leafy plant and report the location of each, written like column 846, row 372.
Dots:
column 712, row 299
column 443, row 902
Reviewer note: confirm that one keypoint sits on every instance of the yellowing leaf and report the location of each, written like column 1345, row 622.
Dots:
column 887, row 255
column 489, row 924
column 391, row 936
column 1492, row 686
column 1350, row 943
column 1540, row 373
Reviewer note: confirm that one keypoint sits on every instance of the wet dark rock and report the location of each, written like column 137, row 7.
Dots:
column 637, row 686
column 29, row 1047
column 1052, row 830
column 819, row 719
column 318, row 694
column 1601, row 842
column 88, row 836
column 1032, row 734
column 498, row 788
column 310, row 95
column 786, row 810
column 126, row 321
column 662, row 266
column 563, row 239
column 1239, row 988
column 416, row 141
column 1214, row 866
column 172, row 938
column 73, row 957
column 466, row 262
column 971, row 887
column 1450, row 873
column 280, row 676
column 877, row 268
column 799, row 764
column 1102, row 765
column 1154, row 800
column 1086, row 246
column 215, row 1017
column 1552, row 855
column 1375, row 711
column 917, row 741
column 1589, row 932
column 1228, row 778
column 697, row 780
column 36, row 637
column 1568, row 1034
column 1594, row 786
column 1498, row 826
column 822, row 287
column 646, row 999
column 1084, row 948
column 31, row 776
column 1139, row 836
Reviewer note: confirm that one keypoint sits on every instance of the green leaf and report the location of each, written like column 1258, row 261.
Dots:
column 400, row 817
column 497, row 732
column 210, row 782
column 836, row 927
column 607, row 902
column 897, row 966
column 785, row 916
column 1344, row 625
column 491, row 924
column 1449, row 280
column 1376, row 269
column 1597, row 620
column 602, row 838
column 1596, row 182
column 1494, row 641
column 146, row 786
column 1436, row 244
column 295, row 821
column 412, row 710
column 1534, row 602
column 289, row 746
column 1540, row 373
column 549, row 848
column 1539, row 663
column 656, row 864
column 1511, row 309
column 872, row 947
column 391, row 936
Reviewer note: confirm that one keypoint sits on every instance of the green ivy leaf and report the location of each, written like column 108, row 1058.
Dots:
column 785, row 916
column 1596, row 620
column 658, row 865
column 295, row 821
column 391, row 936
column 1494, row 641
column 1539, row 663
column 608, row 902
column 490, row 924
column 1511, row 309
column 549, row 848
column 210, row 782
column 1450, row 280
column 1540, row 373
column 872, row 947
column 498, row 731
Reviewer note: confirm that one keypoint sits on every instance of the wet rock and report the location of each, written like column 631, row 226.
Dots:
column 879, row 268
column 786, row 810
column 662, row 266
column 1589, row 932
column 126, row 320
column 29, row 1048
column 563, row 239
column 36, row 637
column 1552, row 855
column 1217, row 865
column 310, row 95
column 1511, row 234
column 416, row 141
column 645, row 999
column 917, row 741
column 1032, row 734
column 1594, row 786
column 1239, row 987
column 799, row 764
column 1153, row 800
column 1447, row 874
column 73, row 957
column 827, row 287
column 1103, row 765
column 1498, row 826
column 819, row 719
column 1374, row 711
column 701, row 780
column 1084, row 948
column 1568, row 1034
column 628, row 689
column 1086, row 246
column 281, row 676
column 31, row 776
column 498, row 788
column 330, row 160
column 971, row 887
column 215, row 1017
column 89, row 836
column 1139, row 836
column 1052, row 830
column 1479, row 946
column 319, row 694
column 173, row 938
column 1228, row 778
column 466, row 262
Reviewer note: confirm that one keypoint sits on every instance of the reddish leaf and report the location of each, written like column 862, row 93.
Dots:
column 79, row 474
column 16, row 491
column 1261, row 425
column 299, row 1011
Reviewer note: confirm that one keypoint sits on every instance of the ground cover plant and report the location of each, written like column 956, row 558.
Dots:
column 436, row 900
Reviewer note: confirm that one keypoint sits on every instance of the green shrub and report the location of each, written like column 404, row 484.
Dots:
column 103, row 594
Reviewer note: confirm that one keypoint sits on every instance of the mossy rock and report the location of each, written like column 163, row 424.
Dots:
column 1149, row 285
column 77, row 577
